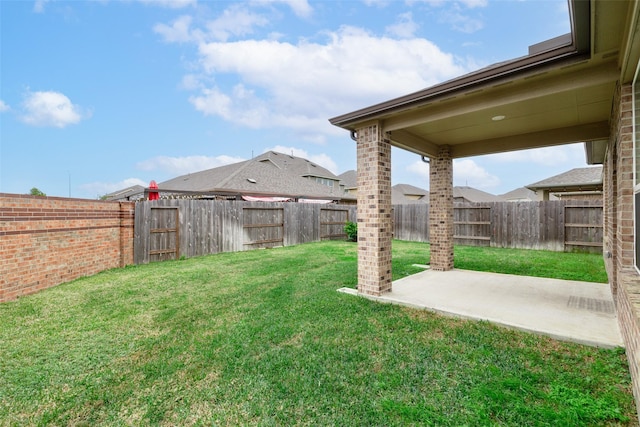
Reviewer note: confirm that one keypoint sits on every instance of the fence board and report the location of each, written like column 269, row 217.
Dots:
column 208, row 226
column 263, row 226
column 411, row 222
column 472, row 224
column 562, row 225
column 583, row 227
column 164, row 235
column 332, row 221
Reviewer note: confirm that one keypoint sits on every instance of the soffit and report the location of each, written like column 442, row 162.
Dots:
column 555, row 106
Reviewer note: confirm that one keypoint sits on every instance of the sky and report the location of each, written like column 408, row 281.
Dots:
column 99, row 95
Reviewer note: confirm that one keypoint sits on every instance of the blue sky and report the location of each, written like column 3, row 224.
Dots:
column 97, row 95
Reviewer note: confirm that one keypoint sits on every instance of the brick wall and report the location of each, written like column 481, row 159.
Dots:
column 375, row 228
column 441, row 210
column 624, row 177
column 628, row 308
column 619, row 231
column 45, row 241
column 609, row 181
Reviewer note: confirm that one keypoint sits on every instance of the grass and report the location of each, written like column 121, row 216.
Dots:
column 263, row 338
column 558, row 265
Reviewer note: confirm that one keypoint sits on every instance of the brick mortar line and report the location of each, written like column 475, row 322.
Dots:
column 55, row 218
column 61, row 230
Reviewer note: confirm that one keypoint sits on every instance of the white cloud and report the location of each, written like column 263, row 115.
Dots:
column 184, row 165
column 471, row 4
column 377, row 3
column 405, row 27
column 236, row 20
column 310, row 82
column 321, row 159
column 191, row 82
column 301, row 8
column 547, row 156
column 178, row 31
column 38, row 6
column 419, row 168
column 4, row 107
column 456, row 13
column 51, row 109
column 462, row 22
column 468, row 173
column 102, row 188
column 171, row 4
column 475, row 3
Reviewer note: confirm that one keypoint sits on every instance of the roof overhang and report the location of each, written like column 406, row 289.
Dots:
column 575, row 188
column 595, row 151
column 562, row 92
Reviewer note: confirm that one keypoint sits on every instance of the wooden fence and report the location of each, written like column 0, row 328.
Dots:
column 170, row 229
column 567, row 225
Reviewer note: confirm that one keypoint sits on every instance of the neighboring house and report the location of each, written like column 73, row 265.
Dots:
column 135, row 192
column 576, row 184
column 473, row 195
column 406, row 194
column 271, row 176
column 578, row 87
column 301, row 167
column 349, row 180
column 401, row 194
column 523, row 194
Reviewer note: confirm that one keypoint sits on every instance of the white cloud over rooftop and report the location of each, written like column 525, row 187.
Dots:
column 51, row 109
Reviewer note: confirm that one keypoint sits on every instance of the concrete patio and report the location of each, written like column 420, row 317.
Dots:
column 567, row 310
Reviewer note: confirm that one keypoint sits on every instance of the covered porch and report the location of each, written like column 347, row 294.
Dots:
column 562, row 92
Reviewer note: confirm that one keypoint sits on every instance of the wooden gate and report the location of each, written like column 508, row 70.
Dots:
column 332, row 222
column 472, row 225
column 583, row 228
column 164, row 233
column 263, row 227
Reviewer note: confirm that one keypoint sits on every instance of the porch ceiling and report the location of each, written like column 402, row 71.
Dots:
column 548, row 108
column 559, row 96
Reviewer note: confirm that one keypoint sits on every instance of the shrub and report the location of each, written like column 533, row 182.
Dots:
column 351, row 228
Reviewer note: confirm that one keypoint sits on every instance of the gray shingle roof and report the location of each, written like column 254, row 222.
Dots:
column 471, row 194
column 411, row 190
column 296, row 165
column 271, row 173
column 576, row 179
column 520, row 194
column 405, row 194
column 135, row 191
column 349, row 179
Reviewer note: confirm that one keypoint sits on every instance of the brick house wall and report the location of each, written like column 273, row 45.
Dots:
column 619, row 230
column 46, row 241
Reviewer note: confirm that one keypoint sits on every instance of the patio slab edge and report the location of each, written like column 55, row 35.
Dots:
column 466, row 316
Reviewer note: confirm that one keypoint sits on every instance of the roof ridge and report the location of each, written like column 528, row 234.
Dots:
column 222, row 183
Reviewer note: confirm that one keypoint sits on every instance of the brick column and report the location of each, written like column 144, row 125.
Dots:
column 374, row 211
column 441, row 210
column 127, row 215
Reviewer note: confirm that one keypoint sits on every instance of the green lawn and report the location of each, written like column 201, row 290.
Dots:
column 263, row 338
